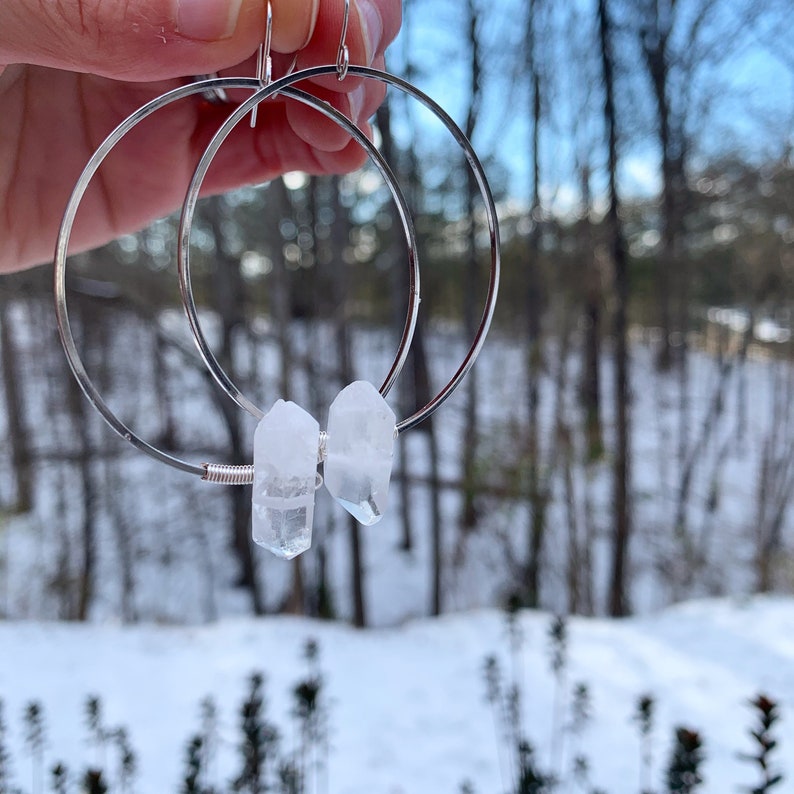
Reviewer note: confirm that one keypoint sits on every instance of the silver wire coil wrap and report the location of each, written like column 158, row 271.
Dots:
column 224, row 474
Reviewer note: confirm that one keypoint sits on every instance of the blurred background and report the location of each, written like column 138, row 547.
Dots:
column 626, row 438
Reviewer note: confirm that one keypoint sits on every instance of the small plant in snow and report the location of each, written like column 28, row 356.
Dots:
column 127, row 759
column 191, row 780
column 768, row 714
column 259, row 740
column 312, row 715
column 200, row 750
column 5, row 756
column 643, row 716
column 94, row 783
column 581, row 714
column 558, row 652
column 524, row 773
column 683, row 771
column 59, row 779
column 104, row 738
column 35, row 739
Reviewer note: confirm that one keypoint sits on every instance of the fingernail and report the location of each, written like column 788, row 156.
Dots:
column 371, row 27
column 313, row 14
column 207, row 20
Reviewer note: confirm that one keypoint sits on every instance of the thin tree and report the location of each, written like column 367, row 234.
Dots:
column 400, row 288
column 227, row 299
column 340, row 288
column 18, row 437
column 538, row 484
column 417, row 390
column 79, row 414
column 621, row 467
column 470, row 314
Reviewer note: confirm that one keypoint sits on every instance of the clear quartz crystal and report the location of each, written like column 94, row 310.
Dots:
column 285, row 470
column 359, row 451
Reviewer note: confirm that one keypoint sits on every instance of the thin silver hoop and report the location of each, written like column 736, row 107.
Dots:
column 186, row 222
column 188, row 208
column 215, row 472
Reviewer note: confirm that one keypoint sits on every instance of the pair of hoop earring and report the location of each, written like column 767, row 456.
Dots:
column 357, row 447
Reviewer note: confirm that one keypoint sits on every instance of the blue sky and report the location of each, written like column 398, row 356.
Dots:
column 745, row 101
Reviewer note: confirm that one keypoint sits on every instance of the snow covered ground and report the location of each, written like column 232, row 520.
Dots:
column 408, row 712
column 709, row 482
column 407, row 705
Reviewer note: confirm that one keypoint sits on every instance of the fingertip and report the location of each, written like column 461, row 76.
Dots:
column 349, row 158
column 294, row 23
column 316, row 129
column 371, row 24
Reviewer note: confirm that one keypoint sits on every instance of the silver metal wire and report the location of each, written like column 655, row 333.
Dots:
column 216, row 96
column 223, row 474
column 216, row 86
column 343, row 53
column 59, row 273
column 188, row 209
column 264, row 63
column 282, row 86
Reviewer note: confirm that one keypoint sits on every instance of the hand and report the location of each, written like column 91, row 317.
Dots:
column 71, row 70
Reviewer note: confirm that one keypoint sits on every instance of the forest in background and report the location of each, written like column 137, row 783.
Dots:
column 676, row 282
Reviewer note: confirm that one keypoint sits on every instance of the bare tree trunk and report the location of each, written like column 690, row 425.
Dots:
column 227, row 299
column 341, row 292
column 400, row 279
column 655, row 35
column 775, row 481
column 590, row 389
column 618, row 589
column 124, row 539
column 17, row 434
column 687, row 548
column 538, row 486
column 563, row 456
column 77, row 410
column 421, row 381
column 470, row 318
column 281, row 297
column 164, row 403
column 417, row 393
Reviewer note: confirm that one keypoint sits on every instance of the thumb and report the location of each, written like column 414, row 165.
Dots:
column 144, row 40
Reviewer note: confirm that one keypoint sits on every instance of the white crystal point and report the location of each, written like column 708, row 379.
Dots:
column 359, row 451
column 285, row 468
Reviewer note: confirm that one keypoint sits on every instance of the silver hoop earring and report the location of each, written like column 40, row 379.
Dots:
column 357, row 448
column 61, row 251
column 282, row 86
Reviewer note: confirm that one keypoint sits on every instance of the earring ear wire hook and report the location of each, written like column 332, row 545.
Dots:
column 343, row 54
column 264, row 63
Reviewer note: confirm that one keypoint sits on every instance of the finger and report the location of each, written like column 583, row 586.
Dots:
column 372, row 26
column 251, row 156
column 322, row 133
column 145, row 40
column 293, row 24
column 117, row 202
column 381, row 19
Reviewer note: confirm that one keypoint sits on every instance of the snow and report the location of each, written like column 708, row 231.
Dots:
column 407, row 699
column 407, row 705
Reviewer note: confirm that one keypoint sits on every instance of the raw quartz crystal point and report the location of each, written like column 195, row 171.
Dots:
column 286, row 442
column 359, row 450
